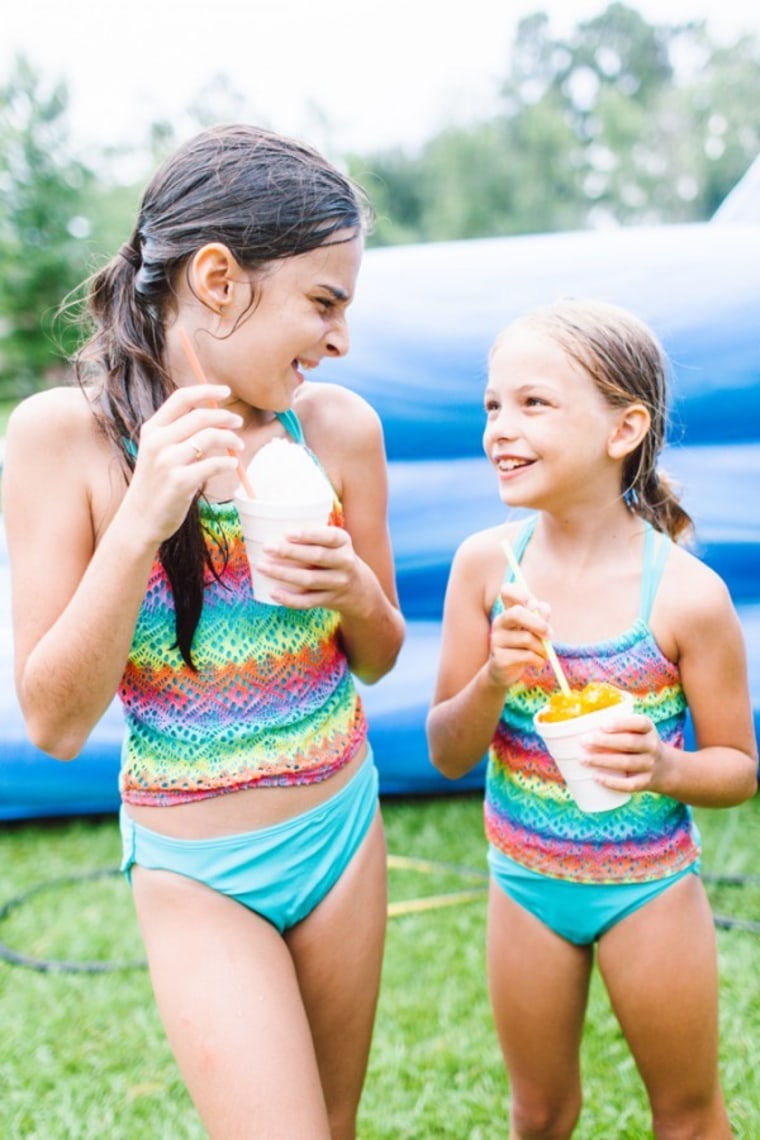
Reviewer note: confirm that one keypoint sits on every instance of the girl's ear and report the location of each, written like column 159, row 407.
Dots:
column 213, row 274
column 631, row 427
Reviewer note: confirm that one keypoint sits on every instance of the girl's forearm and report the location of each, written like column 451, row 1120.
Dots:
column 71, row 675
column 461, row 728
column 709, row 777
column 372, row 630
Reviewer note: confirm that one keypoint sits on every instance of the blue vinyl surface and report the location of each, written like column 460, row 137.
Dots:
column 422, row 324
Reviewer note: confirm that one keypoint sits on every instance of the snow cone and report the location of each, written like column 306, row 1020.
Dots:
column 564, row 721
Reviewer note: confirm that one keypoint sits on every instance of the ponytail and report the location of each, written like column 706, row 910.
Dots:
column 653, row 496
column 124, row 358
column 124, row 355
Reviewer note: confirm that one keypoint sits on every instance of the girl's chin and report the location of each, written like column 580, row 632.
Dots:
column 508, row 493
column 517, row 502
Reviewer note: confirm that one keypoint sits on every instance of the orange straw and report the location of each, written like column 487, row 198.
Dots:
column 552, row 656
column 197, row 368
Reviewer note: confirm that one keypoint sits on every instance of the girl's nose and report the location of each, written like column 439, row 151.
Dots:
column 500, row 426
column 338, row 340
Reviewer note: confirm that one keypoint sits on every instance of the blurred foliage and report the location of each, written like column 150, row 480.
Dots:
column 621, row 122
column 41, row 226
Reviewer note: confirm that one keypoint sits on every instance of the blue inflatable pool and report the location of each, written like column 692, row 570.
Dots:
column 422, row 324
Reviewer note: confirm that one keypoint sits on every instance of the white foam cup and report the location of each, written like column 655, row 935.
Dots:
column 269, row 520
column 562, row 739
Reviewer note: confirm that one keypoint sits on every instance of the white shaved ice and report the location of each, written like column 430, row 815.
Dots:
column 284, row 471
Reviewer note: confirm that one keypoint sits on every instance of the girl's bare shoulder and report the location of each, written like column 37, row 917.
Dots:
column 692, row 602
column 690, row 582
column 326, row 409
column 479, row 563
column 53, row 415
column 345, row 432
column 54, row 441
column 486, row 545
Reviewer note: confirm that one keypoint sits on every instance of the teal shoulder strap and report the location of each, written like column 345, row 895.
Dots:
column 523, row 538
column 656, row 549
column 292, row 424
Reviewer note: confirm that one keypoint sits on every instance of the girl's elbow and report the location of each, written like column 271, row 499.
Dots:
column 48, row 721
column 441, row 764
column 436, row 753
column 53, row 740
column 746, row 788
column 441, row 755
column 751, row 781
column 448, row 770
column 369, row 672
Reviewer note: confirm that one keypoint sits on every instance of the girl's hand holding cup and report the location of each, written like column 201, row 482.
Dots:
column 316, row 567
column 628, row 756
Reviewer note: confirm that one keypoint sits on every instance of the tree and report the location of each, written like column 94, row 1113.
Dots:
column 42, row 229
column 610, row 82
column 619, row 122
column 724, row 110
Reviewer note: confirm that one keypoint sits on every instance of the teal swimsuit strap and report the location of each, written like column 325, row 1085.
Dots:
column 292, row 425
column 518, row 546
column 656, row 549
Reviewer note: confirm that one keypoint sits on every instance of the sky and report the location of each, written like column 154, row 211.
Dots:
column 345, row 74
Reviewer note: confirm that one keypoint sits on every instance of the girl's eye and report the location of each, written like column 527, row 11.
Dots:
column 326, row 303
column 534, row 402
column 491, row 406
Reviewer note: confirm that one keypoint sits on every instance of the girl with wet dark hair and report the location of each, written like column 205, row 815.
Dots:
column 251, row 830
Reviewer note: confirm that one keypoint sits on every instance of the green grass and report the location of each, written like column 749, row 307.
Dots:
column 83, row 1056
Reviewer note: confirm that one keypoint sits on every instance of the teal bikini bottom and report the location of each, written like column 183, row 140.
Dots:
column 579, row 912
column 281, row 872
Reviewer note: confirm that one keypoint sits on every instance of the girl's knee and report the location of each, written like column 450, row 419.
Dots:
column 536, row 1118
column 694, row 1119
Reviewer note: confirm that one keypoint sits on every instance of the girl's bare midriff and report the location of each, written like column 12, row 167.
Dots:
column 246, row 810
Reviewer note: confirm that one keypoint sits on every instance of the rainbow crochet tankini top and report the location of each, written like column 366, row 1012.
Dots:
column 272, row 702
column 529, row 813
